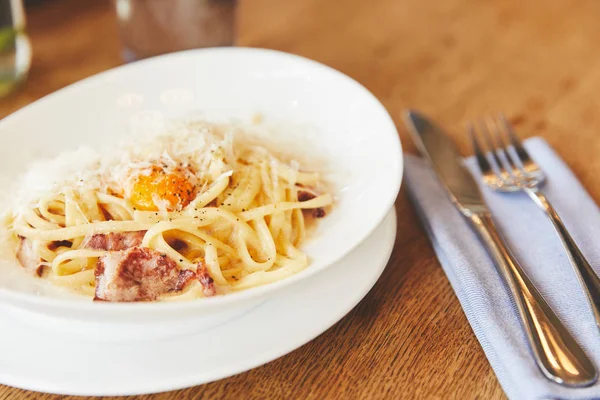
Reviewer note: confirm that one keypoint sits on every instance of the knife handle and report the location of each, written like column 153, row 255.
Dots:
column 588, row 278
column 557, row 354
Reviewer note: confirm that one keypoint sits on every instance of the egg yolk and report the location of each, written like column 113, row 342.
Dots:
column 171, row 188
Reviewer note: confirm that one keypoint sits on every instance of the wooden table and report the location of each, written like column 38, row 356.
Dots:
column 455, row 59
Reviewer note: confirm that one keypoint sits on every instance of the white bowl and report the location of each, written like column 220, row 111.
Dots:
column 309, row 102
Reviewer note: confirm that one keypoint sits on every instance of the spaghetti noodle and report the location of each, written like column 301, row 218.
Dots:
column 212, row 215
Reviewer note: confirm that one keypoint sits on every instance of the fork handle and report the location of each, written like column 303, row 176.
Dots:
column 556, row 352
column 588, row 278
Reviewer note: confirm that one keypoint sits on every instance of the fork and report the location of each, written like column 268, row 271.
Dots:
column 513, row 170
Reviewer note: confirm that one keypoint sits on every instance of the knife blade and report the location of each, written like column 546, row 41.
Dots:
column 447, row 162
column 554, row 349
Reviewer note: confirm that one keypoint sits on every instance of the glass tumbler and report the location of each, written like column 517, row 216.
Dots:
column 153, row 27
column 15, row 49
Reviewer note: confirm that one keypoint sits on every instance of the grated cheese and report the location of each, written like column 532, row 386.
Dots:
column 205, row 148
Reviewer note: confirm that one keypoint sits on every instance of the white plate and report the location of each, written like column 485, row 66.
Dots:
column 33, row 360
column 313, row 105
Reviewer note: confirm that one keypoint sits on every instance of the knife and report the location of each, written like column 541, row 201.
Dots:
column 557, row 354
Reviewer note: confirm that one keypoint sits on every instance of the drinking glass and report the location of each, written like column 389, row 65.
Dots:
column 15, row 50
column 152, row 27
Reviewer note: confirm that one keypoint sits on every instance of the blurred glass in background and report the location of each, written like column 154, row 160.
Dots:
column 153, row 27
column 15, row 49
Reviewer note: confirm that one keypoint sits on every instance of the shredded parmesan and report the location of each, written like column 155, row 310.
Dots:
column 206, row 149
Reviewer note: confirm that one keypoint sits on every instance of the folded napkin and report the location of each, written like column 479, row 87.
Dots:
column 479, row 288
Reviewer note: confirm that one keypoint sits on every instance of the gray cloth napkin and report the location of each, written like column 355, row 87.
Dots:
column 479, row 288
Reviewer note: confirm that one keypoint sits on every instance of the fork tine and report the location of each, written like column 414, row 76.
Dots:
column 501, row 172
column 513, row 163
column 482, row 161
column 516, row 142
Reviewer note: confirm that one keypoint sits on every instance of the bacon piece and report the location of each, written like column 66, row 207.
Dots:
column 59, row 243
column 319, row 212
column 303, row 195
column 185, row 277
column 28, row 258
column 114, row 241
column 137, row 274
column 208, row 284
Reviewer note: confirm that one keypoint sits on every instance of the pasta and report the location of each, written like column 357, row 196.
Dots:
column 184, row 214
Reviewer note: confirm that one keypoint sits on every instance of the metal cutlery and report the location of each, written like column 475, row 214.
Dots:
column 556, row 352
column 512, row 171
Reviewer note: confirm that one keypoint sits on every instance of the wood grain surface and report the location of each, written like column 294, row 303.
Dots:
column 538, row 61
